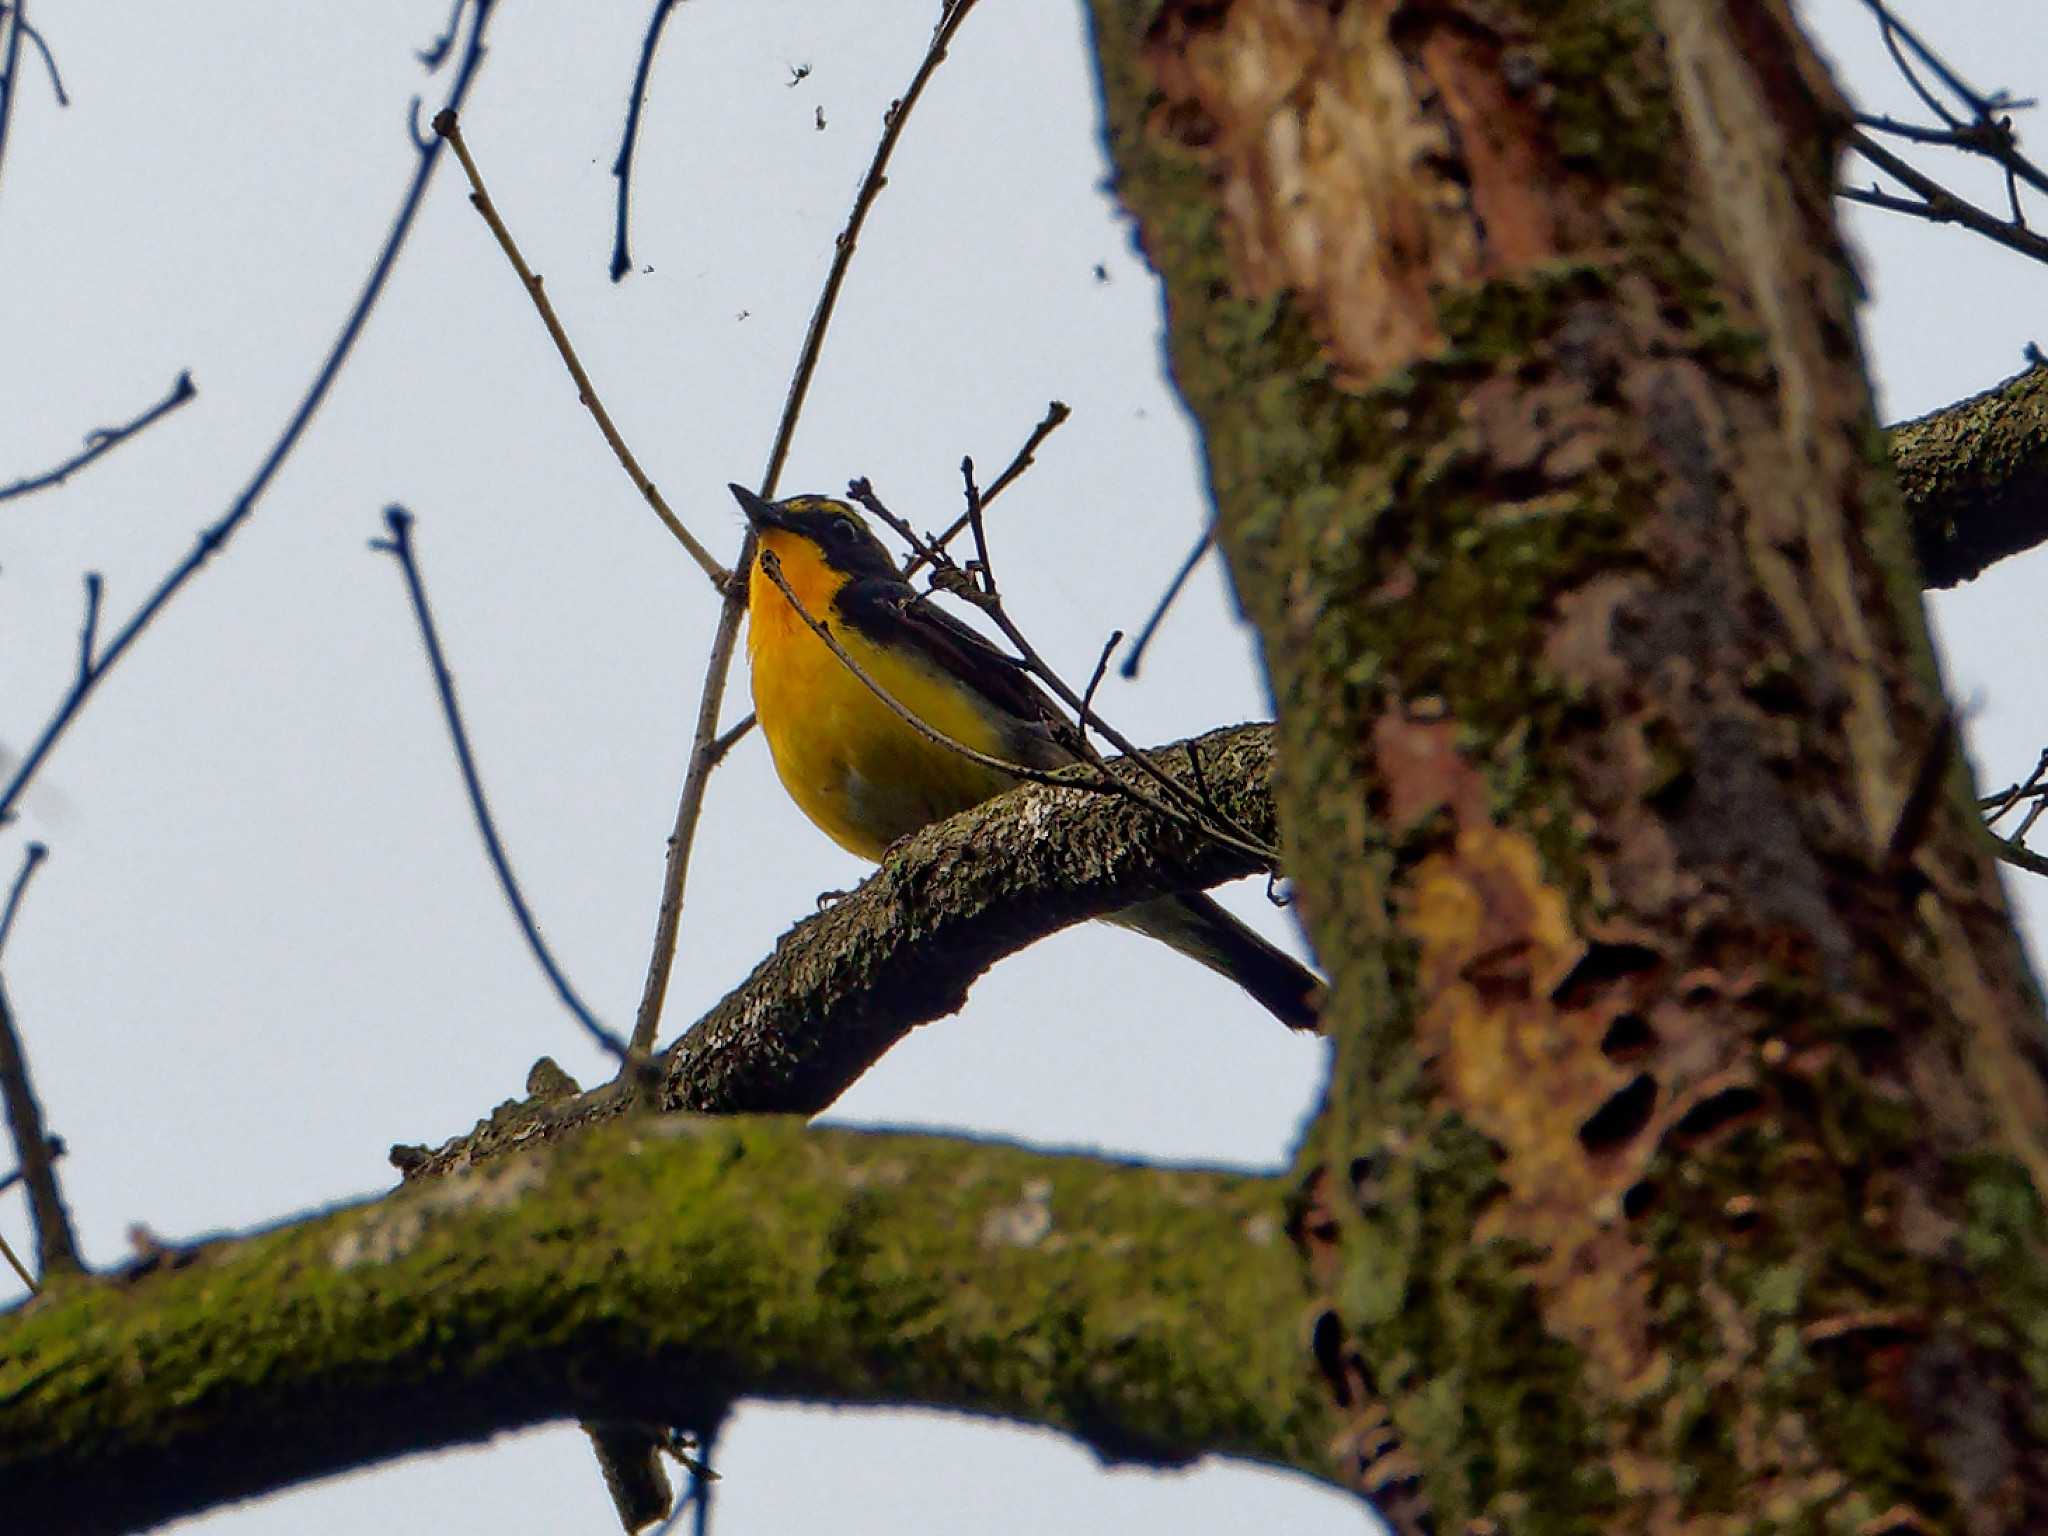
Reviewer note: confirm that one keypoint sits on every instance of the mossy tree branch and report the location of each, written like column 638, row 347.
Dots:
column 1974, row 476
column 659, row 1269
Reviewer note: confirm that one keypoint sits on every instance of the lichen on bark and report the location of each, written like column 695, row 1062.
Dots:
column 1605, row 704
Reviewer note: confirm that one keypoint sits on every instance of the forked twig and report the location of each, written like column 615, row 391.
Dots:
column 1056, row 412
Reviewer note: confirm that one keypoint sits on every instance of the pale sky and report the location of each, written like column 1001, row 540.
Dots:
column 266, row 944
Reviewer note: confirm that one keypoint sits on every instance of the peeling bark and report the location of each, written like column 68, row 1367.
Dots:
column 1680, row 1054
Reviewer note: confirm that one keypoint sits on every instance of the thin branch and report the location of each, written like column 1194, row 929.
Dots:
column 1895, row 30
column 1937, row 205
column 1993, row 140
column 56, row 1243
column 89, row 627
column 215, row 537
column 731, row 738
column 682, row 838
column 10, row 72
column 622, row 167
column 1136, row 654
column 15, row 1264
column 49, row 61
column 981, row 558
column 435, row 54
column 690, row 806
column 1997, row 805
column 1889, row 29
column 103, row 440
column 1983, row 128
column 1095, row 681
column 13, row 1177
column 32, row 859
column 950, row 578
column 1056, row 412
column 447, row 125
column 55, row 1144
column 2019, row 856
column 399, row 547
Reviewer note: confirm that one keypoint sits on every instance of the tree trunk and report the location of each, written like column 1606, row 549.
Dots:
column 1681, row 1166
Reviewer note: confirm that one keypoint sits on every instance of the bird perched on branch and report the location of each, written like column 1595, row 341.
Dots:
column 867, row 777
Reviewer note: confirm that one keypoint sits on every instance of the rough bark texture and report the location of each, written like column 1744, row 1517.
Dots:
column 1681, row 1166
column 657, row 1270
column 846, row 984
column 1975, row 478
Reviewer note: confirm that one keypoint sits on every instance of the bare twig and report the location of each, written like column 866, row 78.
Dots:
column 56, row 1244
column 1936, row 203
column 215, row 537
column 950, row 578
column 10, row 72
column 13, row 1177
column 689, row 807
column 449, row 127
column 1982, row 126
column 730, row 738
column 102, row 440
column 982, row 565
column 49, row 60
column 1896, row 31
column 1056, row 412
column 435, row 54
column 2019, row 856
column 1095, row 679
column 399, row 547
column 622, row 167
column 1995, row 806
column 1136, row 654
column 32, row 859
column 14, row 1263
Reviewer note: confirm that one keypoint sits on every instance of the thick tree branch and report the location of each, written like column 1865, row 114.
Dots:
column 661, row 1270
column 1975, row 478
column 846, row 984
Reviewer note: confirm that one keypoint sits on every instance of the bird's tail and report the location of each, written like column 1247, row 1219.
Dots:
column 1202, row 930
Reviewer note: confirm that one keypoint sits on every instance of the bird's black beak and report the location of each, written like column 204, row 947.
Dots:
column 762, row 514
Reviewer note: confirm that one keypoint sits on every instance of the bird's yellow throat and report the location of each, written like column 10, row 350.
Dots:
column 862, row 774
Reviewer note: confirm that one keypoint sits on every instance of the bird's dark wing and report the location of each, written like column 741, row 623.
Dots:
column 892, row 613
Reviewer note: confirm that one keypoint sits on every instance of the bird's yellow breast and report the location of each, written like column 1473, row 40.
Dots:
column 862, row 774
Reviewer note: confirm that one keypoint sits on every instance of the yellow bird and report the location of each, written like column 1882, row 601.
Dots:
column 867, row 778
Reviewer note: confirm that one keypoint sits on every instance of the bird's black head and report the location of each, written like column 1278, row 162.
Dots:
column 833, row 531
